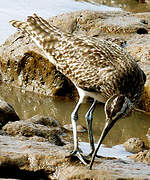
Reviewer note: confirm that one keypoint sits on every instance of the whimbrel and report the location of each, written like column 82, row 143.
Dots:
column 99, row 69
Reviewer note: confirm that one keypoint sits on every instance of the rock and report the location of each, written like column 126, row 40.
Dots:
column 143, row 156
column 145, row 99
column 134, row 145
column 139, row 48
column 7, row 113
column 43, row 160
column 38, row 126
column 148, row 136
column 80, row 128
column 16, row 174
column 31, row 70
column 141, row 1
column 30, row 155
column 34, row 149
column 144, row 1
column 44, row 120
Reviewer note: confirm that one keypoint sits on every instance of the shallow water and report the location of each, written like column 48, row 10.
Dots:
column 117, row 151
column 28, row 104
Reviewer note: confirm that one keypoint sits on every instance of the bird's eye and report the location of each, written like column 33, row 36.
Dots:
column 116, row 107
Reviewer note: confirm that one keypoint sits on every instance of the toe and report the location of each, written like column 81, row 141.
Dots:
column 79, row 155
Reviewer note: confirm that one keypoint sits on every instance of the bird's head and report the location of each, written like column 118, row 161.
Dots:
column 116, row 107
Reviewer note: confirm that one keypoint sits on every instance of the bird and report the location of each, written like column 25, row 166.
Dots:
column 98, row 69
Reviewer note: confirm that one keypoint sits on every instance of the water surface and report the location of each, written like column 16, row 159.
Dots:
column 28, row 104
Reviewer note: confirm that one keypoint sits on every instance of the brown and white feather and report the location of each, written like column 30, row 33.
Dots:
column 94, row 66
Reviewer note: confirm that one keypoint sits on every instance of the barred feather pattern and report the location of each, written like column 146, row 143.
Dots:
column 94, row 65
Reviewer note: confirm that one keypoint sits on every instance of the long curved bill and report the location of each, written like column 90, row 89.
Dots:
column 108, row 125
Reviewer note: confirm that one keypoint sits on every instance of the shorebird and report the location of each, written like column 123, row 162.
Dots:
column 99, row 69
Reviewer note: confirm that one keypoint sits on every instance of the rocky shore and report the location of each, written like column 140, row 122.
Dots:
column 35, row 148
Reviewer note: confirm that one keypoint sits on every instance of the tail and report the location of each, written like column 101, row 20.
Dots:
column 41, row 32
column 23, row 26
column 35, row 26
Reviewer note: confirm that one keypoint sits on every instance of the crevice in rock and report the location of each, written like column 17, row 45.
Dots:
column 15, row 173
column 142, row 31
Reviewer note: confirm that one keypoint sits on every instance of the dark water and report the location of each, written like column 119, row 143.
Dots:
column 28, row 104
column 127, row 5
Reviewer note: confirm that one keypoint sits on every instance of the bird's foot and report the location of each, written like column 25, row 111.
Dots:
column 91, row 153
column 80, row 156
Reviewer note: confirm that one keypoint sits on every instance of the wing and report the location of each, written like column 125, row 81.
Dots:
column 91, row 64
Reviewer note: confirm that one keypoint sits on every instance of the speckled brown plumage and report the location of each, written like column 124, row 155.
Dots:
column 91, row 64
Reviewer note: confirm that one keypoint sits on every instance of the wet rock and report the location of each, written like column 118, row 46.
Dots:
column 35, row 138
column 80, row 128
column 139, row 48
column 142, row 31
column 143, row 156
column 147, row 1
column 117, row 40
column 134, row 145
column 30, row 158
column 96, row 23
column 7, row 113
column 17, row 174
column 145, row 99
column 38, row 126
column 111, row 169
column 44, row 120
column 141, row 1
column 26, row 67
column 148, row 136
column 144, row 1
column 30, row 155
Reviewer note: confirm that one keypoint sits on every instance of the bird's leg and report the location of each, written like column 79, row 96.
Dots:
column 74, row 119
column 89, row 119
column 76, row 152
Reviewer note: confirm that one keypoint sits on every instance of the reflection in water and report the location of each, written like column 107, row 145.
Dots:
column 28, row 104
column 127, row 5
